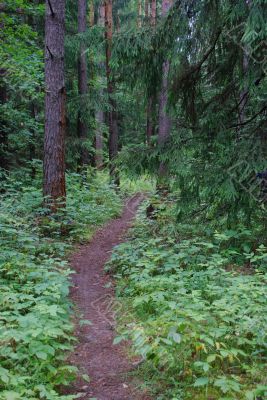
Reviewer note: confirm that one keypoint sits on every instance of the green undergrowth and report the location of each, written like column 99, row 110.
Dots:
column 36, row 332
column 194, row 305
column 142, row 184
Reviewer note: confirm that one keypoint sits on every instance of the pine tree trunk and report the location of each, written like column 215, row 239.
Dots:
column 100, row 120
column 164, row 118
column 32, row 145
column 82, row 85
column 244, row 95
column 244, row 92
column 3, row 130
column 146, row 10
column 112, row 115
column 153, row 12
column 100, row 115
column 150, row 123
column 150, row 128
column 139, row 13
column 91, row 13
column 54, row 187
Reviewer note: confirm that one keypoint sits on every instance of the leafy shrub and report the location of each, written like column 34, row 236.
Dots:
column 36, row 332
column 200, row 325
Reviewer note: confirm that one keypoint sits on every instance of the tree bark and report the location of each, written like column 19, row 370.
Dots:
column 150, row 126
column 91, row 13
column 32, row 144
column 244, row 93
column 100, row 115
column 150, row 122
column 139, row 13
column 82, row 85
column 100, row 120
column 146, row 10
column 153, row 12
column 112, row 115
column 54, row 187
column 3, row 131
column 164, row 118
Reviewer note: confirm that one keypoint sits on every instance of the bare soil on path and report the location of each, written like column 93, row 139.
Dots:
column 93, row 294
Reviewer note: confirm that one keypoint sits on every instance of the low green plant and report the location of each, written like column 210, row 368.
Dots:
column 142, row 184
column 36, row 332
column 195, row 317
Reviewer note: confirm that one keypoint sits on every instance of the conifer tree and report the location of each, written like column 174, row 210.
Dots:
column 112, row 114
column 164, row 118
column 82, row 84
column 54, row 187
column 151, row 105
column 3, row 130
column 100, row 115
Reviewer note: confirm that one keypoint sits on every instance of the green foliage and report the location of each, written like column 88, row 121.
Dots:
column 192, row 314
column 140, row 184
column 21, row 78
column 196, row 289
column 35, row 327
column 217, row 87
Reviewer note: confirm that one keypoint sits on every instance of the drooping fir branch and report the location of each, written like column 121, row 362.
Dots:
column 248, row 121
column 195, row 68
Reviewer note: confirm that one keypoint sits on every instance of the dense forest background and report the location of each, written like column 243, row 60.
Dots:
column 205, row 121
column 100, row 99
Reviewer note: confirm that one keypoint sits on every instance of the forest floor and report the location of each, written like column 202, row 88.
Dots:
column 107, row 365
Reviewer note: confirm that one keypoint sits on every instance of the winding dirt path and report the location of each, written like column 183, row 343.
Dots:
column 93, row 293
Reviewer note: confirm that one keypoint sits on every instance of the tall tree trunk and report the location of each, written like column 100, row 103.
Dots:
column 164, row 118
column 146, row 10
column 139, row 13
column 112, row 115
column 3, row 130
column 100, row 115
column 3, row 126
column 32, row 145
column 82, row 85
column 100, row 120
column 91, row 13
column 150, row 126
column 150, row 122
column 54, row 187
column 244, row 93
column 153, row 12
